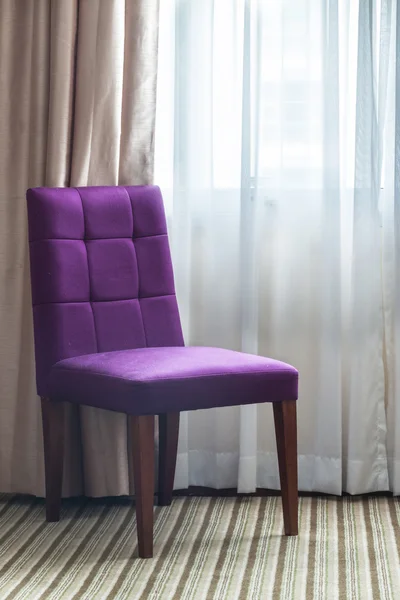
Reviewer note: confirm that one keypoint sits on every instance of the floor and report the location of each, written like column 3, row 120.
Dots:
column 205, row 548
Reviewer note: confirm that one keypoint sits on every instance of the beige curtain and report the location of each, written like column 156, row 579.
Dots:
column 77, row 106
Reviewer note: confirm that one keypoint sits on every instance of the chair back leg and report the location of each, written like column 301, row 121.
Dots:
column 142, row 429
column 53, row 445
column 168, row 428
column 286, row 441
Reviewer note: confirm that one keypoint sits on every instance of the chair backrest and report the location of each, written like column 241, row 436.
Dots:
column 101, row 273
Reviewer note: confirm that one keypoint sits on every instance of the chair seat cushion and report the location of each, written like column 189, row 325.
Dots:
column 159, row 380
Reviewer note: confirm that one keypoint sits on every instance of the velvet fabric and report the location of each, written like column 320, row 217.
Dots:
column 158, row 380
column 106, row 319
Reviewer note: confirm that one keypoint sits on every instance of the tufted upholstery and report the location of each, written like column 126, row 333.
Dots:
column 101, row 273
column 106, row 320
column 108, row 334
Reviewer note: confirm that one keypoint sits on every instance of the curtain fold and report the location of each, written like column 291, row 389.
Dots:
column 277, row 150
column 77, row 105
column 280, row 116
column 367, row 458
column 390, row 204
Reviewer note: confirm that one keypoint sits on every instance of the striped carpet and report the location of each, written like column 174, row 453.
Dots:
column 205, row 548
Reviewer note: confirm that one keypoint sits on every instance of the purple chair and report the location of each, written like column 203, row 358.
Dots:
column 108, row 334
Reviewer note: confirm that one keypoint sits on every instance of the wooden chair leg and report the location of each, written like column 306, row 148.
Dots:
column 53, row 443
column 143, row 472
column 168, row 426
column 286, row 441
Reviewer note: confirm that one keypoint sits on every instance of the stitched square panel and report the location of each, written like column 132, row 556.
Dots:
column 148, row 211
column 55, row 213
column 59, row 271
column 108, row 214
column 119, row 325
column 155, row 266
column 113, row 269
column 161, row 321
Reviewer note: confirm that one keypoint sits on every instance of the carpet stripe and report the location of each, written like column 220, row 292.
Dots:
column 321, row 551
column 171, row 524
column 226, row 578
column 276, row 576
column 325, row 580
column 96, row 575
column 351, row 549
column 375, row 575
column 174, row 556
column 188, row 582
column 124, row 534
column 391, row 551
column 312, row 550
column 235, row 551
column 67, row 529
column 342, row 587
column 16, row 530
column 380, row 549
column 223, row 551
column 300, row 579
column 288, row 580
column 258, row 555
column 269, row 571
column 364, row 567
column 333, row 554
column 8, row 518
column 395, row 522
column 392, row 537
column 244, row 549
column 215, row 550
column 56, row 557
column 133, row 569
column 262, row 516
column 79, row 558
column 66, row 532
column 37, row 533
column 16, row 560
column 355, row 547
column 12, row 502
column 170, row 549
column 129, row 571
column 107, row 581
column 205, row 549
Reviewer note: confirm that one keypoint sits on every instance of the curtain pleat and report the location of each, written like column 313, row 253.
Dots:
column 280, row 116
column 77, row 103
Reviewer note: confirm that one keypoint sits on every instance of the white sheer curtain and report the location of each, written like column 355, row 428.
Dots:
column 273, row 120
column 390, row 206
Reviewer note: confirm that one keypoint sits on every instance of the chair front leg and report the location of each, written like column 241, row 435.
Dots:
column 286, row 441
column 168, row 427
column 53, row 445
column 142, row 428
